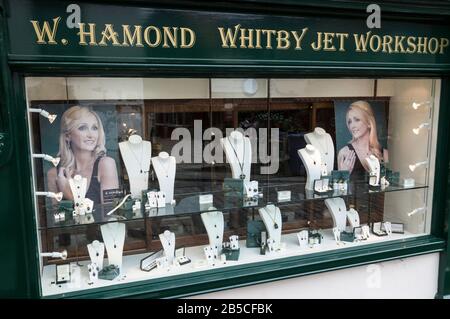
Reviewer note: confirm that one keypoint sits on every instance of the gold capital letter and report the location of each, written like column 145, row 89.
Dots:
column 191, row 43
column 129, row 39
column 90, row 34
column 45, row 31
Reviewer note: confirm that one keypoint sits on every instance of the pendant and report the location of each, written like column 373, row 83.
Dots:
column 242, row 176
column 115, row 246
column 275, row 225
column 141, row 172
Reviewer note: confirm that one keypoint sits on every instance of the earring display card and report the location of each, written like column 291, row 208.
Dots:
column 63, row 273
column 251, row 189
column 322, row 185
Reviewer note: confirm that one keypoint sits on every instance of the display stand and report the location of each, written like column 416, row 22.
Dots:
column 96, row 251
column 214, row 225
column 322, row 141
column 78, row 186
column 374, row 166
column 168, row 243
column 165, row 169
column 312, row 160
column 271, row 217
column 338, row 210
column 114, row 238
column 136, row 155
column 238, row 151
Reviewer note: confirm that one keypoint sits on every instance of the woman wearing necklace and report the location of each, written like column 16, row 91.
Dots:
column 82, row 151
column 361, row 123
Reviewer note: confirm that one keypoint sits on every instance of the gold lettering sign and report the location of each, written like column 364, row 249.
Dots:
column 238, row 37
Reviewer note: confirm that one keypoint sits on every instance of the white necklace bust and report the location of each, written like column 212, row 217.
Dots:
column 168, row 243
column 238, row 151
column 165, row 169
column 374, row 166
column 271, row 217
column 136, row 154
column 312, row 160
column 214, row 224
column 114, row 238
column 338, row 210
column 96, row 251
column 321, row 140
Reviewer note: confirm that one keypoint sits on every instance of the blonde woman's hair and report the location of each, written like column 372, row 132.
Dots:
column 69, row 121
column 368, row 119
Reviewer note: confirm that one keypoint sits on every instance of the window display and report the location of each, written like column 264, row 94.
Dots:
column 200, row 174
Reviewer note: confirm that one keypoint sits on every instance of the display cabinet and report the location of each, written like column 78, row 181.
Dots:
column 135, row 183
column 174, row 148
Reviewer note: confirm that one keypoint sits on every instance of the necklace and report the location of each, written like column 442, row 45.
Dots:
column 241, row 165
column 166, row 170
column 321, row 141
column 111, row 232
column 135, row 156
column 275, row 225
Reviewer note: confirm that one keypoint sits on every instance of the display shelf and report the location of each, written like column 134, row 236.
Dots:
column 132, row 273
column 189, row 204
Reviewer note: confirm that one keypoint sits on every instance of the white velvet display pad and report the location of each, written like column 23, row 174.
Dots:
column 130, row 263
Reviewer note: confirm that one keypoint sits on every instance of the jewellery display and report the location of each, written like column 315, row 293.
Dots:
column 251, row 189
column 148, row 263
column 374, row 175
column 161, row 199
column 320, row 139
column 139, row 159
column 241, row 164
column 96, row 252
column 181, row 258
column 165, row 169
column 337, row 234
column 336, row 207
column 114, row 237
column 136, row 154
column 395, row 228
column 168, row 243
column 353, row 218
column 211, row 254
column 302, row 237
column 314, row 238
column 377, row 229
column 63, row 273
column 312, row 162
column 271, row 217
column 93, row 270
column 231, row 249
column 214, row 225
column 322, row 185
column 237, row 149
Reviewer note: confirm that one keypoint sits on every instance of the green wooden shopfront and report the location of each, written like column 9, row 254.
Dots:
column 173, row 72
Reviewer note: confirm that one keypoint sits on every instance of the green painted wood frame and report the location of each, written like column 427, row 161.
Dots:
column 18, row 227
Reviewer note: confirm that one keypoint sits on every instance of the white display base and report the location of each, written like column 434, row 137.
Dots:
column 130, row 264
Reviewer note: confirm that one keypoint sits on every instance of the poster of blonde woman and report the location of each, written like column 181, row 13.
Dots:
column 361, row 131
column 78, row 138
